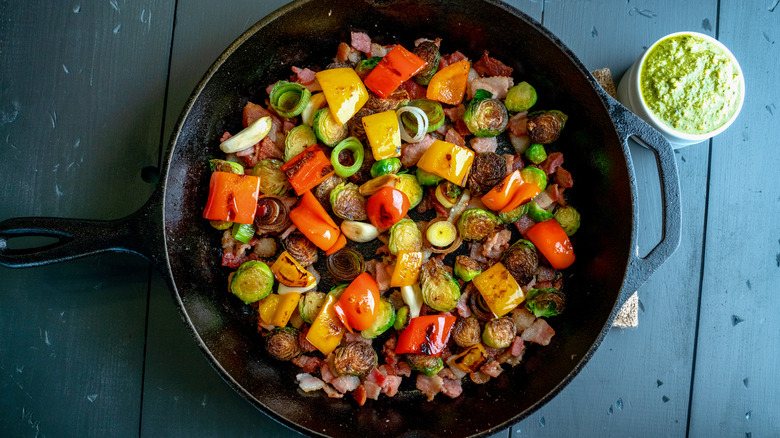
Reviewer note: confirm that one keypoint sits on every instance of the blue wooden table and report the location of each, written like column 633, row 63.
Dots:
column 89, row 94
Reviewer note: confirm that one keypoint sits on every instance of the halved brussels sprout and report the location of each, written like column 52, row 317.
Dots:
column 282, row 343
column 545, row 302
column 385, row 167
column 426, row 178
column 408, row 184
column 428, row 52
column 428, row 365
column 466, row 268
column 327, row 129
column 486, row 117
column 569, row 218
column 521, row 97
column 534, row 176
column 347, row 202
column 272, row 180
column 499, row 333
column 537, row 213
column 514, row 215
column 298, row 139
column 364, row 67
column 405, row 236
column 252, row 282
column 439, row 290
column 310, row 304
column 226, row 166
column 545, row 126
column 385, row 319
column 476, row 224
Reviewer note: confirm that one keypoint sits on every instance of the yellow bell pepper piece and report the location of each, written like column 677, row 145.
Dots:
column 326, row 331
column 289, row 272
column 267, row 308
column 499, row 289
column 344, row 92
column 285, row 307
column 470, row 359
column 384, row 134
column 447, row 160
column 407, row 268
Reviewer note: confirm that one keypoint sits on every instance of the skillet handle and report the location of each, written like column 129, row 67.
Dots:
column 640, row 268
column 139, row 233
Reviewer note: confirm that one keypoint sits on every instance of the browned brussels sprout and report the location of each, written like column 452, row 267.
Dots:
column 355, row 358
column 486, row 117
column 428, row 52
column 282, row 343
column 499, row 333
column 466, row 332
column 428, row 365
column 301, row 248
column 544, row 127
column 476, row 224
column 521, row 261
column 347, row 202
column 545, row 302
column 487, row 170
column 466, row 268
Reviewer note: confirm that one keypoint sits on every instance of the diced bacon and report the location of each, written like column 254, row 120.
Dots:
column 522, row 319
column 387, row 370
column 266, row 148
column 451, row 59
column 404, row 369
column 309, row 383
column 463, row 302
column 484, row 144
column 332, row 393
column 492, row 368
column 253, row 112
column 380, row 50
column 355, row 337
column 327, row 374
column 563, row 178
column 518, row 346
column 452, row 388
column 454, row 137
column 390, row 386
column 455, row 113
column 233, row 251
column 430, row 386
column 303, row 76
column 498, row 85
column 224, row 137
column 479, row 377
column 362, row 42
column 307, row 363
column 263, row 326
column 415, row 90
column 496, row 243
column 411, row 152
column 545, row 273
column 344, row 384
column 518, row 124
column 371, row 267
column 540, row 332
column 554, row 193
column 544, row 285
column 376, row 376
column 360, row 396
column 524, row 224
column 553, row 161
column 446, row 373
column 372, row 390
column 382, row 277
column 491, row 66
column 476, row 253
column 346, row 53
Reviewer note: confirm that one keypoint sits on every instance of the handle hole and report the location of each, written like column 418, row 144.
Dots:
column 649, row 197
column 21, row 243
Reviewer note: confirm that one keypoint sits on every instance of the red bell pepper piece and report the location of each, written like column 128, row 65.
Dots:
column 307, row 169
column 552, row 241
column 426, row 335
column 394, row 69
column 315, row 223
column 386, row 207
column 357, row 307
column 232, row 197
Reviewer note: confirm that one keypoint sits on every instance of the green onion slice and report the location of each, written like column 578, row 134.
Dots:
column 351, row 144
column 243, row 232
column 289, row 99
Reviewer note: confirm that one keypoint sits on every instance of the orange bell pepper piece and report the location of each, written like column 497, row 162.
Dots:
column 341, row 242
column 502, row 193
column 315, row 223
column 232, row 197
column 396, row 67
column 307, row 169
column 524, row 193
column 284, row 308
column 448, row 85
column 551, row 240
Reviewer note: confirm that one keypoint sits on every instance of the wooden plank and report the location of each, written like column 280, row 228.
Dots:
column 197, row 402
column 736, row 388
column 611, row 396
column 80, row 117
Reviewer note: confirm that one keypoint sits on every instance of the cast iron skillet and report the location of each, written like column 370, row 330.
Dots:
column 170, row 231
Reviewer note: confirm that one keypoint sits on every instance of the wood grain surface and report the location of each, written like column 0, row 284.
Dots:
column 89, row 96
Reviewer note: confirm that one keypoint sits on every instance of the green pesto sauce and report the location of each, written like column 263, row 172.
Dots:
column 690, row 84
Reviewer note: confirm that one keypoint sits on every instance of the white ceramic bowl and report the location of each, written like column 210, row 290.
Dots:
column 630, row 94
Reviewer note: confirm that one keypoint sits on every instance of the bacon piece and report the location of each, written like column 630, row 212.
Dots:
column 551, row 164
column 492, row 368
column 382, row 276
column 463, row 302
column 454, row 137
column 347, row 54
column 479, row 377
column 522, row 319
column 496, row 243
column 563, row 178
column 545, row 273
column 327, row 374
column 308, row 363
column 362, row 42
column 497, row 85
column 303, row 76
column 430, row 386
column 476, row 252
column 518, row 124
column 451, row 59
column 391, row 384
column 380, row 50
column 233, row 251
column 404, row 369
column 491, row 66
column 524, row 224
column 372, row 389
column 360, row 396
column 309, row 383
column 540, row 332
column 411, row 152
column 518, row 346
column 484, row 144
column 344, row 384
column 224, row 137
column 415, row 90
column 253, row 112
column 332, row 393
column 452, row 388
column 555, row 193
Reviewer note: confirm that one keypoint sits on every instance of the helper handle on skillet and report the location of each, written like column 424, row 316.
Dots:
column 139, row 233
column 640, row 268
